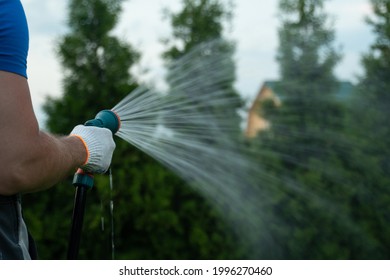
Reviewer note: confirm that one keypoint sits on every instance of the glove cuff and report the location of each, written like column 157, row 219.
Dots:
column 85, row 146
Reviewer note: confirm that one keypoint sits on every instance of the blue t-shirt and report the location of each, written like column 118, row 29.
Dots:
column 14, row 37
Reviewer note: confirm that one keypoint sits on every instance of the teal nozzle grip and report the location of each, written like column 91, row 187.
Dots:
column 107, row 119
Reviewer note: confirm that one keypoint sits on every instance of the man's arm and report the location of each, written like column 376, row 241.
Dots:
column 30, row 160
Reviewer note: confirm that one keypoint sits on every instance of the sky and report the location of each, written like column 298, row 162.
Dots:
column 142, row 24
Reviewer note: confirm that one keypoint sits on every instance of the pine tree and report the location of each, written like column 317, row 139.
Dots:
column 199, row 21
column 198, row 35
column 202, row 23
column 307, row 58
column 96, row 76
column 96, row 65
column 307, row 140
column 369, row 125
column 374, row 85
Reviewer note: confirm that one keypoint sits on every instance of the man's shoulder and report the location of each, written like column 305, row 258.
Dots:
column 14, row 38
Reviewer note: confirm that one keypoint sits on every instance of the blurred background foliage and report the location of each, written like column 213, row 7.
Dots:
column 331, row 199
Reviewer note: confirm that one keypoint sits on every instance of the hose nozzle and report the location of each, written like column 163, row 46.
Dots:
column 107, row 119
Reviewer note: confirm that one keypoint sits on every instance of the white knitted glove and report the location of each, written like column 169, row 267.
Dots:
column 99, row 144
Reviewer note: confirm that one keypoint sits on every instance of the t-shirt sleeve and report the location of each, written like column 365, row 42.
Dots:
column 14, row 38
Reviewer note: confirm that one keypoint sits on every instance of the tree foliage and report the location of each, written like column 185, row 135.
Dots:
column 200, row 23
column 330, row 157
column 307, row 58
column 371, row 133
column 305, row 140
column 96, row 76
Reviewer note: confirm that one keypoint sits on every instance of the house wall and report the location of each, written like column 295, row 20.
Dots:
column 256, row 122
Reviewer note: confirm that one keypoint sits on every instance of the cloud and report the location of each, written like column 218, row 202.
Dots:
column 46, row 17
column 350, row 14
column 142, row 24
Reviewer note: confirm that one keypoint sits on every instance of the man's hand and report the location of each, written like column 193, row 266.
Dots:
column 99, row 145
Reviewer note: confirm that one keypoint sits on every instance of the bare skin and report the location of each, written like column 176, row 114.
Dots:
column 30, row 159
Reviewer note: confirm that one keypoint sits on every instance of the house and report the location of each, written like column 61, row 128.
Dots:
column 270, row 92
column 255, row 121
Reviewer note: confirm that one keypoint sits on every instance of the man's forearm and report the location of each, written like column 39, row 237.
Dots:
column 46, row 161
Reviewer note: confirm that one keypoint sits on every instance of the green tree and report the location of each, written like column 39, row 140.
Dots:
column 198, row 36
column 199, row 21
column 369, row 123
column 96, row 65
column 202, row 23
column 374, row 85
column 307, row 58
column 306, row 144
column 305, row 125
column 96, row 76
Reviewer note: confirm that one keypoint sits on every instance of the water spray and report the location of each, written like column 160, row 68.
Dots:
column 84, row 181
column 193, row 130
